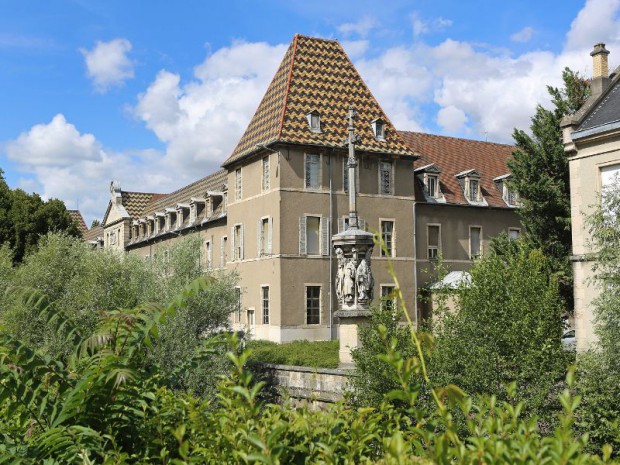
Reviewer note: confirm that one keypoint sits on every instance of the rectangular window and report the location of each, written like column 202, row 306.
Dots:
column 345, row 174
column 312, row 171
column 433, row 237
column 238, row 304
column 473, row 190
column 264, row 290
column 513, row 233
column 475, row 241
column 385, row 178
column 264, row 236
column 313, row 237
column 237, row 244
column 209, row 255
column 238, row 186
column 432, row 186
column 388, row 299
column 313, row 305
column 266, row 174
column 387, row 236
column 511, row 197
column 223, row 251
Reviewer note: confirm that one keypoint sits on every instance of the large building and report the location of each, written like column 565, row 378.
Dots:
column 592, row 141
column 270, row 212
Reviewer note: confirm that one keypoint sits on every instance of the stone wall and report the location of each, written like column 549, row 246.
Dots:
column 316, row 386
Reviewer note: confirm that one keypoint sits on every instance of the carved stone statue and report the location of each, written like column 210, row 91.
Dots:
column 348, row 283
column 364, row 281
column 340, row 273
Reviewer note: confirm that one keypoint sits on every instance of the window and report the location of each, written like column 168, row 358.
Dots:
column 345, row 174
column 512, row 198
column 264, row 236
column 209, row 254
column 609, row 179
column 264, row 291
column 513, row 233
column 238, row 304
column 378, row 128
column 313, row 235
column 223, row 249
column 475, row 244
column 238, row 187
column 433, row 232
column 432, row 186
column 388, row 299
column 387, row 236
column 266, row 174
column 313, row 305
column 385, row 178
column 313, row 171
column 237, row 242
column 314, row 121
column 474, row 187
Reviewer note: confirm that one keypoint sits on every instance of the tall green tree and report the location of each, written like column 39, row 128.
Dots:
column 25, row 218
column 540, row 175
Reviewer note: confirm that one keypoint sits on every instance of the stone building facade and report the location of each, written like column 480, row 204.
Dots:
column 270, row 213
column 592, row 142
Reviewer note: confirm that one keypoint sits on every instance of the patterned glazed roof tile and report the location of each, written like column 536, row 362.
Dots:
column 453, row 156
column 77, row 218
column 212, row 182
column 93, row 233
column 317, row 75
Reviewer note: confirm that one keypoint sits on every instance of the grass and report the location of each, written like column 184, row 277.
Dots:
column 315, row 354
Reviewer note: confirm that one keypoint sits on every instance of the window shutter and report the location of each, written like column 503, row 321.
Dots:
column 210, row 256
column 222, row 252
column 302, row 235
column 232, row 244
column 259, row 237
column 241, row 243
column 324, row 235
column 270, row 236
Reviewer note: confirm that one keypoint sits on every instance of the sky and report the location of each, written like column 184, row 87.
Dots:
column 156, row 94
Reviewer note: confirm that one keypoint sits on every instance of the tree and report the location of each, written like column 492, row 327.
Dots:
column 25, row 218
column 507, row 329
column 540, row 176
column 95, row 223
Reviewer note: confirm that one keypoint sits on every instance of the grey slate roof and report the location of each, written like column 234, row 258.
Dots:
column 607, row 111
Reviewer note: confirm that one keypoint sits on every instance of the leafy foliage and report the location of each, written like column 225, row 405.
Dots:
column 24, row 218
column 540, row 175
column 316, row 354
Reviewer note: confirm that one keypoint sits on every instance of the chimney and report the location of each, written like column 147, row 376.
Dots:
column 600, row 70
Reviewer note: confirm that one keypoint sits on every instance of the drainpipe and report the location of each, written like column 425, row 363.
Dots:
column 331, row 256
column 415, row 267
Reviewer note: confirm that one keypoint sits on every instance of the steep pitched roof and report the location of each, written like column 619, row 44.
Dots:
column 77, row 218
column 453, row 156
column 605, row 111
column 316, row 75
column 93, row 233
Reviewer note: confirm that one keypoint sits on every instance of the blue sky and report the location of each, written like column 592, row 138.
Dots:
column 156, row 94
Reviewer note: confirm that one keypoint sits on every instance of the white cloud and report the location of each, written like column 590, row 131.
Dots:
column 57, row 143
column 355, row 48
column 597, row 21
column 451, row 119
column 421, row 26
column 523, row 36
column 108, row 65
column 360, row 28
column 202, row 121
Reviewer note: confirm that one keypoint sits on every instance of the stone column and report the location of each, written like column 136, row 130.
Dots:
column 354, row 282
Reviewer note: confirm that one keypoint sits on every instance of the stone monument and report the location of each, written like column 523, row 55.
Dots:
column 353, row 248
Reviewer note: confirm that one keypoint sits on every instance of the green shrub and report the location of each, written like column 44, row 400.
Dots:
column 316, row 354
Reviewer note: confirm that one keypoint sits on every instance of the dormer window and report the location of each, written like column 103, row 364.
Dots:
column 171, row 219
column 509, row 195
column 432, row 185
column 314, row 121
column 182, row 213
column 470, row 183
column 429, row 176
column 196, row 209
column 378, row 128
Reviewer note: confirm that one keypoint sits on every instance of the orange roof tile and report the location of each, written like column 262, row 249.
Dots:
column 77, row 218
column 316, row 74
column 453, row 155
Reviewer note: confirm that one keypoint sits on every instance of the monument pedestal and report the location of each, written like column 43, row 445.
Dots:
column 350, row 322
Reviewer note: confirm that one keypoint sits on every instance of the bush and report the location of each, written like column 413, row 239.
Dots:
column 316, row 354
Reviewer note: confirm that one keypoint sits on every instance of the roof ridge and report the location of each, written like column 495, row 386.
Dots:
column 288, row 85
column 316, row 38
column 453, row 137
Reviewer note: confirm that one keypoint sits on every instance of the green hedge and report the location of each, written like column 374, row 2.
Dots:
column 315, row 354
